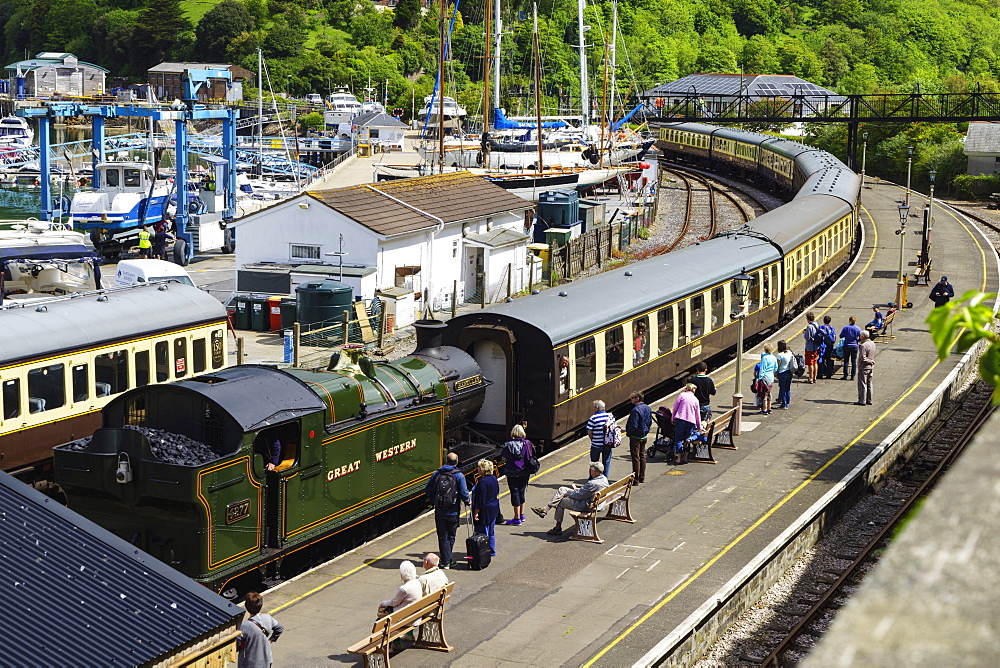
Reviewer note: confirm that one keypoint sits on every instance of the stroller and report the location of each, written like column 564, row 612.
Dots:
column 663, row 442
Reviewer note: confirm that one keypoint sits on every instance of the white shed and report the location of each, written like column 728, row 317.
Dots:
column 982, row 147
column 433, row 235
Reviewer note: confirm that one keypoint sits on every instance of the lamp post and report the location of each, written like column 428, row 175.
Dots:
column 925, row 242
column 909, row 164
column 864, row 156
column 741, row 289
column 904, row 212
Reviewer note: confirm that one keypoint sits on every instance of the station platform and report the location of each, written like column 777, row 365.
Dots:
column 549, row 601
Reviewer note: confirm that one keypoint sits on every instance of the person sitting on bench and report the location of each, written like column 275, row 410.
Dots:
column 574, row 498
column 876, row 324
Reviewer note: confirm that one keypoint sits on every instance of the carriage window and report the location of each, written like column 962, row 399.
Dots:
column 665, row 330
column 198, row 355
column 11, row 398
column 614, row 352
column 697, row 316
column 753, row 299
column 586, row 364
column 111, row 373
column 218, row 349
column 640, row 340
column 141, row 368
column 562, row 369
column 162, row 352
column 682, row 329
column 81, row 388
column 765, row 289
column 46, row 388
column 774, row 282
column 718, row 307
column 180, row 358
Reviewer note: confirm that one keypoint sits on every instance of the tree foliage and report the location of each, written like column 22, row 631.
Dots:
column 962, row 324
column 220, row 26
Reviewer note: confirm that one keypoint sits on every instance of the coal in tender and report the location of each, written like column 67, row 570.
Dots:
column 78, row 445
column 175, row 448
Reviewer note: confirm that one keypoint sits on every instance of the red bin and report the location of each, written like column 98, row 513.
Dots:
column 274, row 313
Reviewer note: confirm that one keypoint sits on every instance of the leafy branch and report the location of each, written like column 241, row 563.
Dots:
column 964, row 323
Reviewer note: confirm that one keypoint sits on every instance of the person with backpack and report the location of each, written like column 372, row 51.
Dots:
column 257, row 632
column 786, row 366
column 446, row 490
column 813, row 341
column 826, row 353
column 599, row 428
column 518, row 458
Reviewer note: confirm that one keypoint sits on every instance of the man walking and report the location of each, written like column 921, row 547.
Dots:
column 866, row 361
column 942, row 292
column 446, row 490
column 597, row 429
column 574, row 498
column 637, row 428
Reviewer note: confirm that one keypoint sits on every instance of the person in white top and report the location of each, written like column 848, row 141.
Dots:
column 433, row 578
column 407, row 593
column 786, row 366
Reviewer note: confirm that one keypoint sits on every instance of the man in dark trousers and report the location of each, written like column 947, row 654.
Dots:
column 637, row 428
column 160, row 239
column 705, row 390
column 446, row 490
column 942, row 293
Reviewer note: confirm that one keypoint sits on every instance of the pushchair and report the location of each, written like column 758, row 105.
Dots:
column 663, row 442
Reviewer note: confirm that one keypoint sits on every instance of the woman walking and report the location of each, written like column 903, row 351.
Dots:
column 786, row 365
column 686, row 417
column 485, row 504
column 516, row 453
column 766, row 369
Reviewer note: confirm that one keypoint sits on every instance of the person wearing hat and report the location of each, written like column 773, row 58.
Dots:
column 878, row 320
column 942, row 293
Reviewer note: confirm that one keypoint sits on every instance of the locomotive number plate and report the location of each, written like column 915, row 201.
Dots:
column 237, row 511
column 468, row 382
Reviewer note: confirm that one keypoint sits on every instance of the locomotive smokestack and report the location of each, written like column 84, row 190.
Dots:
column 429, row 334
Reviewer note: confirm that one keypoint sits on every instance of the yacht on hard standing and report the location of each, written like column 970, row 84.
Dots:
column 15, row 133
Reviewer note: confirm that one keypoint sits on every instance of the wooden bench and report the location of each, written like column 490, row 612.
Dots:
column 426, row 615
column 923, row 273
column 718, row 434
column 616, row 498
column 885, row 331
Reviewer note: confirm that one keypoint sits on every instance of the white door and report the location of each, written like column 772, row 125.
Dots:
column 491, row 359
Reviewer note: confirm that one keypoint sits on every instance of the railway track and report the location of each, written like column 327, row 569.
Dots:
column 804, row 613
column 707, row 208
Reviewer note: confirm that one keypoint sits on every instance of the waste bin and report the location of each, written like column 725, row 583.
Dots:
column 274, row 313
column 322, row 301
column 242, row 320
column 287, row 312
column 259, row 321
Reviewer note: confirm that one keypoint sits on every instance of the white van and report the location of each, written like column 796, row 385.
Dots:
column 314, row 98
column 140, row 272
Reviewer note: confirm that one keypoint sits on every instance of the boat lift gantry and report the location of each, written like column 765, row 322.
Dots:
column 188, row 109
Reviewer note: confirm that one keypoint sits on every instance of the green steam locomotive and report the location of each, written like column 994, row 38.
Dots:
column 184, row 470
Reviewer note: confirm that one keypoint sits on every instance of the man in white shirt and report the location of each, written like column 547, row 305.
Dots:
column 433, row 578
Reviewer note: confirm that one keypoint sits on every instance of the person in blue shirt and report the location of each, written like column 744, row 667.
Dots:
column 851, row 334
column 765, row 370
column 876, row 323
column 446, row 510
column 640, row 419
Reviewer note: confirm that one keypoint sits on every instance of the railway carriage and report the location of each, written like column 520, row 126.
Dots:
column 180, row 469
column 63, row 358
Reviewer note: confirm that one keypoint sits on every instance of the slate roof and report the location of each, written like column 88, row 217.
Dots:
column 982, row 139
column 729, row 84
column 454, row 197
column 378, row 119
column 77, row 595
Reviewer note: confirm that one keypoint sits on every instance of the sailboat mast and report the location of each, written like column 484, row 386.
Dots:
column 614, row 58
column 584, row 87
column 605, row 123
column 440, row 99
column 538, row 89
column 260, row 109
column 487, row 62
column 496, row 49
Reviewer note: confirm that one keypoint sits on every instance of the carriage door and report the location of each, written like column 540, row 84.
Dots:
column 497, row 369
column 287, row 436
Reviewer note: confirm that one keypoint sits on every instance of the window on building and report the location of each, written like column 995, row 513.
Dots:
column 586, row 364
column 303, row 252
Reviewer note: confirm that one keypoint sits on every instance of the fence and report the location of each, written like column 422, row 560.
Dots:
column 594, row 248
column 313, row 344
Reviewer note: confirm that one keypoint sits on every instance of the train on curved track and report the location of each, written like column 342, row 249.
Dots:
column 361, row 437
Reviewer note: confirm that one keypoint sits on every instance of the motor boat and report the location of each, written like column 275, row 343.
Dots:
column 15, row 133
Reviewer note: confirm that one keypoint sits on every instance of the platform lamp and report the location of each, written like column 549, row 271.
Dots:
column 904, row 212
column 864, row 156
column 909, row 164
column 925, row 242
column 741, row 289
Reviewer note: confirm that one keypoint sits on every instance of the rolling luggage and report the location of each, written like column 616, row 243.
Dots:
column 477, row 550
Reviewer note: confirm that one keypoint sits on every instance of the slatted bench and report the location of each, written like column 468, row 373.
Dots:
column 923, row 273
column 426, row 615
column 885, row 331
column 718, row 434
column 616, row 498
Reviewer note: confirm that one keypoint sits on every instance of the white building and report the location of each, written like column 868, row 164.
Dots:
column 432, row 234
column 50, row 73
column 982, row 147
column 380, row 129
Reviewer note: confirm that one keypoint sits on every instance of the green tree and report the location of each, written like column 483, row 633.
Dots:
column 407, row 14
column 220, row 26
column 371, row 27
column 69, row 26
column 158, row 33
column 112, row 39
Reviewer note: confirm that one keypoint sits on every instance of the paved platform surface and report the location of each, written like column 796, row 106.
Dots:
column 546, row 601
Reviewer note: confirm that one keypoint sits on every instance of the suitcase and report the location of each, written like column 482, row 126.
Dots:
column 477, row 549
